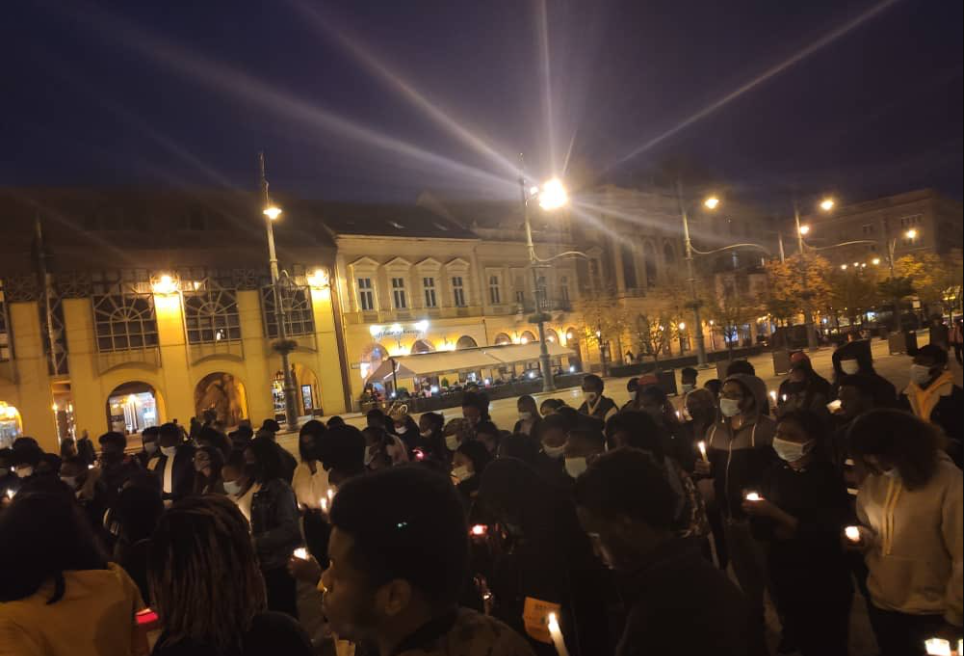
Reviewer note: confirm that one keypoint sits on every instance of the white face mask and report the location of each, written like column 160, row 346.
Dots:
column 169, row 451
column 426, row 434
column 688, row 387
column 591, row 397
column 525, row 416
column 232, row 487
column 920, row 374
column 150, row 448
column 576, row 467
column 23, row 472
column 461, row 473
column 790, row 451
column 729, row 407
column 401, row 430
column 849, row 367
column 451, row 442
column 70, row 481
column 554, row 452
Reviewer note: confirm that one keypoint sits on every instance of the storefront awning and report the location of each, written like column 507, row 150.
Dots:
column 426, row 364
column 513, row 353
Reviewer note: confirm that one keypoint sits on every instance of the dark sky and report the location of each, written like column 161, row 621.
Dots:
column 149, row 92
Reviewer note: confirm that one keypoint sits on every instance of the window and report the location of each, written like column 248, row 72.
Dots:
column 910, row 221
column 520, row 297
column 212, row 316
column 297, row 303
column 495, row 292
column 366, row 294
column 867, row 229
column 398, row 293
column 564, row 289
column 458, row 291
column 629, row 266
column 124, row 322
column 428, row 284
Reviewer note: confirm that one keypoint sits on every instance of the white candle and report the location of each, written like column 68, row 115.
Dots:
column 702, row 446
column 324, row 504
column 852, row 533
column 938, row 647
column 301, row 553
column 773, row 395
column 556, row 634
column 754, row 496
column 479, row 530
column 10, row 493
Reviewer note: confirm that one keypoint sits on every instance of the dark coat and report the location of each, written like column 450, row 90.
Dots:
column 679, row 604
column 182, row 479
column 275, row 524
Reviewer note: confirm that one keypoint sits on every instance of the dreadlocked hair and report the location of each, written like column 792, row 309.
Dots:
column 203, row 575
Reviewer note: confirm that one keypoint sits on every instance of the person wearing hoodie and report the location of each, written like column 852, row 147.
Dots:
column 739, row 452
column 911, row 510
column 855, row 358
column 804, row 388
column 932, row 396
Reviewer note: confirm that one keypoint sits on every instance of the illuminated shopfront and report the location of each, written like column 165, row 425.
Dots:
column 132, row 407
column 11, row 426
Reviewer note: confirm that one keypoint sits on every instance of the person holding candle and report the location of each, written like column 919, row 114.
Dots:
column 677, row 603
column 912, row 506
column 399, row 554
column 803, row 508
column 468, row 465
column 310, row 485
column 739, row 448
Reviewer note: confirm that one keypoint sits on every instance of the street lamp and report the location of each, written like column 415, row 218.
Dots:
column 710, row 203
column 284, row 346
column 551, row 195
column 827, row 204
column 802, row 230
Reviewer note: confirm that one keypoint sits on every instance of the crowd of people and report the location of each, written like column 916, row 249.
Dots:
column 586, row 531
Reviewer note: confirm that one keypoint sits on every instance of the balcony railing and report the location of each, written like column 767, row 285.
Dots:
column 150, row 355
column 226, row 348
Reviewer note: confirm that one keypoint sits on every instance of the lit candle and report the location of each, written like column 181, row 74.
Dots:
column 852, row 533
column 556, row 634
column 10, row 493
column 938, row 647
column 702, row 446
column 324, row 504
column 301, row 553
column 773, row 395
column 331, row 496
column 479, row 530
column 754, row 496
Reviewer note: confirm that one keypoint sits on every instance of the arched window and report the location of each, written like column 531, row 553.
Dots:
column 649, row 262
column 422, row 346
column 669, row 255
column 502, row 338
column 628, row 256
column 527, row 337
column 552, row 336
column 465, row 342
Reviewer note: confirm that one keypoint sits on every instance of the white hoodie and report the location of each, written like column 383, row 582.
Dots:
column 916, row 559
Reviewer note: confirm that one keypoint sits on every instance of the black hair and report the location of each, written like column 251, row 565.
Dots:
column 477, row 400
column 268, row 459
column 138, row 510
column 27, row 453
column 217, row 459
column 169, row 430
column 477, row 453
column 43, row 550
column 911, row 444
column 406, row 523
column 593, row 381
column 641, row 430
column 488, row 428
column 377, row 416
column 436, row 419
column 632, row 385
column 521, row 446
column 654, row 392
column 559, row 422
column 114, row 438
column 271, row 425
column 345, row 450
column 591, row 433
column 24, row 440
column 689, row 372
column 714, row 385
column 150, row 433
column 554, row 404
column 740, row 367
column 334, row 421
column 627, row 482
column 528, row 400
column 933, row 352
column 215, row 438
column 317, row 431
column 868, row 387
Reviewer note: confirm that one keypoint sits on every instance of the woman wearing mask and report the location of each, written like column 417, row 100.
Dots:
column 912, row 515
column 62, row 597
column 239, row 487
column 274, row 523
column 468, row 464
column 739, row 451
column 801, row 515
column 208, row 462
column 430, row 438
column 311, row 488
column 210, row 595
column 529, row 418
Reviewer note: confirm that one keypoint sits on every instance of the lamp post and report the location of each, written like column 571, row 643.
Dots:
column 552, row 196
column 283, row 345
column 710, row 203
column 827, row 205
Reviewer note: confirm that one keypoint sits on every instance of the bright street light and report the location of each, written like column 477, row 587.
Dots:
column 711, row 203
column 875, row 261
column 827, row 204
column 843, row 266
column 804, row 230
column 911, row 234
column 272, row 212
column 553, row 195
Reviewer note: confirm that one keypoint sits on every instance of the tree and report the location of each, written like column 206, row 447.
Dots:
column 936, row 279
column 787, row 291
column 896, row 290
column 732, row 308
column 852, row 292
column 604, row 317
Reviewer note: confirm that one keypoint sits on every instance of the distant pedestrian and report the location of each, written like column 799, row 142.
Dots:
column 174, row 466
column 933, row 396
column 595, row 404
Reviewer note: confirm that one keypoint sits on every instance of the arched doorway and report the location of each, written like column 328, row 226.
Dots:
column 221, row 397
column 371, row 359
column 132, row 407
column 465, row 342
column 422, row 346
column 308, row 391
column 552, row 336
column 502, row 339
column 11, row 425
column 527, row 337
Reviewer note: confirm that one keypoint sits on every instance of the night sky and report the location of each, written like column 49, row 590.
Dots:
column 367, row 100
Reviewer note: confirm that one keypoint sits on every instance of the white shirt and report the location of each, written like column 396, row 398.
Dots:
column 310, row 488
column 168, row 485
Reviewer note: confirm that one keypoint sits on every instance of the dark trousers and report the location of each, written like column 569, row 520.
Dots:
column 815, row 612
column 317, row 531
column 900, row 634
column 281, row 590
column 749, row 560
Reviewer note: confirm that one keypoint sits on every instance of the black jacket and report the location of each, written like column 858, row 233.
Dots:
column 679, row 604
column 182, row 478
column 884, row 393
column 275, row 524
column 270, row 633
